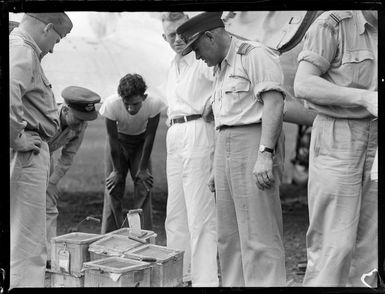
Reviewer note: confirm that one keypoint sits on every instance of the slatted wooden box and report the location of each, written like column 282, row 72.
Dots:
column 148, row 236
column 111, row 245
column 167, row 270
column 77, row 244
column 116, row 272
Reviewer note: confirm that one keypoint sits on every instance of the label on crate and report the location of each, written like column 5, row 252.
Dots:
column 64, row 260
column 134, row 223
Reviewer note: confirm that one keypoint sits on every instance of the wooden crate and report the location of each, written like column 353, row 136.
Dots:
column 167, row 270
column 148, row 237
column 116, row 272
column 77, row 245
column 111, row 245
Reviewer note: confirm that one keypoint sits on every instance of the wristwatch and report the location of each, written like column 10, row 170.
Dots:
column 263, row 148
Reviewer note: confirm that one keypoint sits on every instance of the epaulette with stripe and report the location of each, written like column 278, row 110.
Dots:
column 245, row 48
column 338, row 16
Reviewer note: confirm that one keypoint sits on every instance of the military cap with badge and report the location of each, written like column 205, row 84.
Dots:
column 81, row 101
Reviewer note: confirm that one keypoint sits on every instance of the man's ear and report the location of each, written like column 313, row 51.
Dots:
column 209, row 35
column 48, row 27
column 164, row 37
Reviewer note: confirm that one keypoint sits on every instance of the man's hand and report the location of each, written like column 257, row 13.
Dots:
column 27, row 142
column 208, row 114
column 53, row 191
column 146, row 178
column 113, row 180
column 371, row 102
column 211, row 182
column 263, row 170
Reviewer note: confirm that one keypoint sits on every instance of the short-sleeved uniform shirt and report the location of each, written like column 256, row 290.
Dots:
column 189, row 85
column 113, row 108
column 248, row 70
column 343, row 46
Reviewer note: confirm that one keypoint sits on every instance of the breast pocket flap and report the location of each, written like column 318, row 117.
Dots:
column 357, row 56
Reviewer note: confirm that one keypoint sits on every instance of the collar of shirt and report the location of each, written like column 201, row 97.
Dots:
column 229, row 59
column 187, row 59
column 29, row 40
column 361, row 21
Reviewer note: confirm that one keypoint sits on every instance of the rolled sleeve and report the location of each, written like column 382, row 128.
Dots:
column 320, row 45
column 268, row 86
column 265, row 72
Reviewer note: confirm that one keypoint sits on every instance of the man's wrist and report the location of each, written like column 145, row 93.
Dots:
column 265, row 149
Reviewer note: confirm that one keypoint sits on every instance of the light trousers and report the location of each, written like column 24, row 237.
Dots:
column 52, row 211
column 250, row 231
column 342, row 236
column 28, row 184
column 191, row 219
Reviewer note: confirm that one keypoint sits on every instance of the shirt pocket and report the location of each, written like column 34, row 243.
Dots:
column 358, row 67
column 236, row 94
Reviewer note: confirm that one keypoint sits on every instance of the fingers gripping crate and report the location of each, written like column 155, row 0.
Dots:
column 69, row 251
column 147, row 236
column 116, row 272
column 167, row 264
column 111, row 245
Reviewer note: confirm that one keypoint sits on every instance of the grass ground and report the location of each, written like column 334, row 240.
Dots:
column 82, row 193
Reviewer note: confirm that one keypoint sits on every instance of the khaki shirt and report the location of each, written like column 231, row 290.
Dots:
column 70, row 141
column 32, row 102
column 343, row 45
column 248, row 70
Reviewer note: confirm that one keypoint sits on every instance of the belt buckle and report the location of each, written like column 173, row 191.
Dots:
column 185, row 118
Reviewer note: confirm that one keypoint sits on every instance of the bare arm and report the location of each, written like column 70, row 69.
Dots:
column 272, row 119
column 152, row 126
column 143, row 174
column 308, row 85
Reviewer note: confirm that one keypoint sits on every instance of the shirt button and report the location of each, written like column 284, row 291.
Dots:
column 356, row 59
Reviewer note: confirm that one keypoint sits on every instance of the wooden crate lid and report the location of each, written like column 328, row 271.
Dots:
column 113, row 245
column 77, row 238
column 115, row 265
column 161, row 253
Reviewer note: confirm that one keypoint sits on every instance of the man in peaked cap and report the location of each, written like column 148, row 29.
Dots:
column 190, row 221
column 33, row 120
column 247, row 101
column 78, row 109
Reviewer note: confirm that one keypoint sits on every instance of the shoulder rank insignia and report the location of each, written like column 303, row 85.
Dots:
column 245, row 48
column 338, row 16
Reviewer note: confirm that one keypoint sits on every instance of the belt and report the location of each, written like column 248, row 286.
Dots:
column 224, row 127
column 44, row 138
column 183, row 119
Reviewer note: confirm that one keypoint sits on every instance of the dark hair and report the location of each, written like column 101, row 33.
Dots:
column 131, row 85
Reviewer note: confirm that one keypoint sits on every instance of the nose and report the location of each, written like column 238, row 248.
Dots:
column 197, row 56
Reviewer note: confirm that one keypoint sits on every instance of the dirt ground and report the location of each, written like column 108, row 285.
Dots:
column 74, row 208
